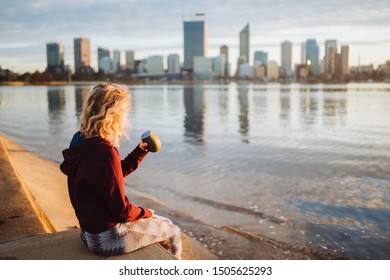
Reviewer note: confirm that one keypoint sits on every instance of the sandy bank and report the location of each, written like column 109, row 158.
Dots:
column 48, row 189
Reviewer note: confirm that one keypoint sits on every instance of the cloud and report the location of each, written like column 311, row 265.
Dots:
column 154, row 24
column 46, row 18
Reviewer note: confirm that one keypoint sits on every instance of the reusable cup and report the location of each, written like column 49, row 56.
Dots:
column 154, row 143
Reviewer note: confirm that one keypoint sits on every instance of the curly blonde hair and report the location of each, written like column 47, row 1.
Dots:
column 105, row 113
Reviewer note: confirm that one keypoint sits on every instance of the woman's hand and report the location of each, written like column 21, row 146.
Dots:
column 143, row 146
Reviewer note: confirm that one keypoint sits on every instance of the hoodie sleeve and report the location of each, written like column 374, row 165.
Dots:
column 111, row 187
column 132, row 161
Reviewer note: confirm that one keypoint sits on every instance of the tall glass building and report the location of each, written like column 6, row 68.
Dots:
column 130, row 60
column 116, row 61
column 286, row 57
column 345, row 60
column 330, row 56
column 55, row 58
column 244, row 43
column 194, row 41
column 82, row 53
column 313, row 55
column 104, row 60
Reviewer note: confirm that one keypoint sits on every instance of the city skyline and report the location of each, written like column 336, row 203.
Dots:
column 144, row 28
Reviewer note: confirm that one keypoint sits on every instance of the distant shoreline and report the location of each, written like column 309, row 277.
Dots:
column 206, row 82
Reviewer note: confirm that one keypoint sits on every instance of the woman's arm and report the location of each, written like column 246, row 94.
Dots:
column 111, row 186
column 131, row 162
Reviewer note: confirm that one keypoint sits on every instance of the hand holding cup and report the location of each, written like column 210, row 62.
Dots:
column 154, row 143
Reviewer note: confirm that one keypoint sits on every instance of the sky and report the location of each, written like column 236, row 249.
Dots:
column 151, row 27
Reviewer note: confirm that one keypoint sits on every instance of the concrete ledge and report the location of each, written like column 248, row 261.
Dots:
column 67, row 245
column 18, row 217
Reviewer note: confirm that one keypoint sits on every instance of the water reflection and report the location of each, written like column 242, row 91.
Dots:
column 81, row 95
column 259, row 103
column 335, row 109
column 56, row 103
column 309, row 107
column 243, row 113
column 223, row 103
column 195, row 115
column 285, row 107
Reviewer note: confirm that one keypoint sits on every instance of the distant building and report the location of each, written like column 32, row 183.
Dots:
column 302, row 71
column 387, row 69
column 82, row 53
column 244, row 43
column 272, row 70
column 286, row 58
column 225, row 51
column 105, row 65
column 104, row 60
column 202, row 68
column 140, row 66
column 130, row 65
column 312, row 57
column 260, row 71
column 116, row 61
column 260, row 56
column 194, row 41
column 173, row 64
column 330, row 57
column 246, row 71
column 322, row 66
column 155, row 65
column 345, row 60
column 303, row 53
column 241, row 60
column 219, row 65
column 55, row 58
column 363, row 69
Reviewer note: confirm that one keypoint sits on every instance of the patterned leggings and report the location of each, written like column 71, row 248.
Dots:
column 128, row 237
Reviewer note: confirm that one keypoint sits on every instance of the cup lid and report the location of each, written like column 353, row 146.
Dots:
column 146, row 134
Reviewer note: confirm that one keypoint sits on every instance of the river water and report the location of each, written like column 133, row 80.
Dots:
column 306, row 164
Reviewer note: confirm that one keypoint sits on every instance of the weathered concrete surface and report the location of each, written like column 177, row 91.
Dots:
column 67, row 245
column 17, row 216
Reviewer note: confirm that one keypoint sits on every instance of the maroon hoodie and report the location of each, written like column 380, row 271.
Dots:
column 96, row 186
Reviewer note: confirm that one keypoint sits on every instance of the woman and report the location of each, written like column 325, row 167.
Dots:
column 109, row 223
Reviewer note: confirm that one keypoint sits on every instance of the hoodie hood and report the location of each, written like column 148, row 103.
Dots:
column 78, row 149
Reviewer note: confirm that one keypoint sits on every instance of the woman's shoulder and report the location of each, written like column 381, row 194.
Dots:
column 106, row 148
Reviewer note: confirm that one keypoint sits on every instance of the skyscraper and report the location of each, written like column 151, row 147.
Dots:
column 55, row 58
column 286, row 57
column 345, row 60
column 313, row 56
column 82, row 53
column 303, row 53
column 330, row 56
column 129, row 60
column 225, row 51
column 104, row 60
column 244, row 43
column 194, row 40
column 116, row 61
